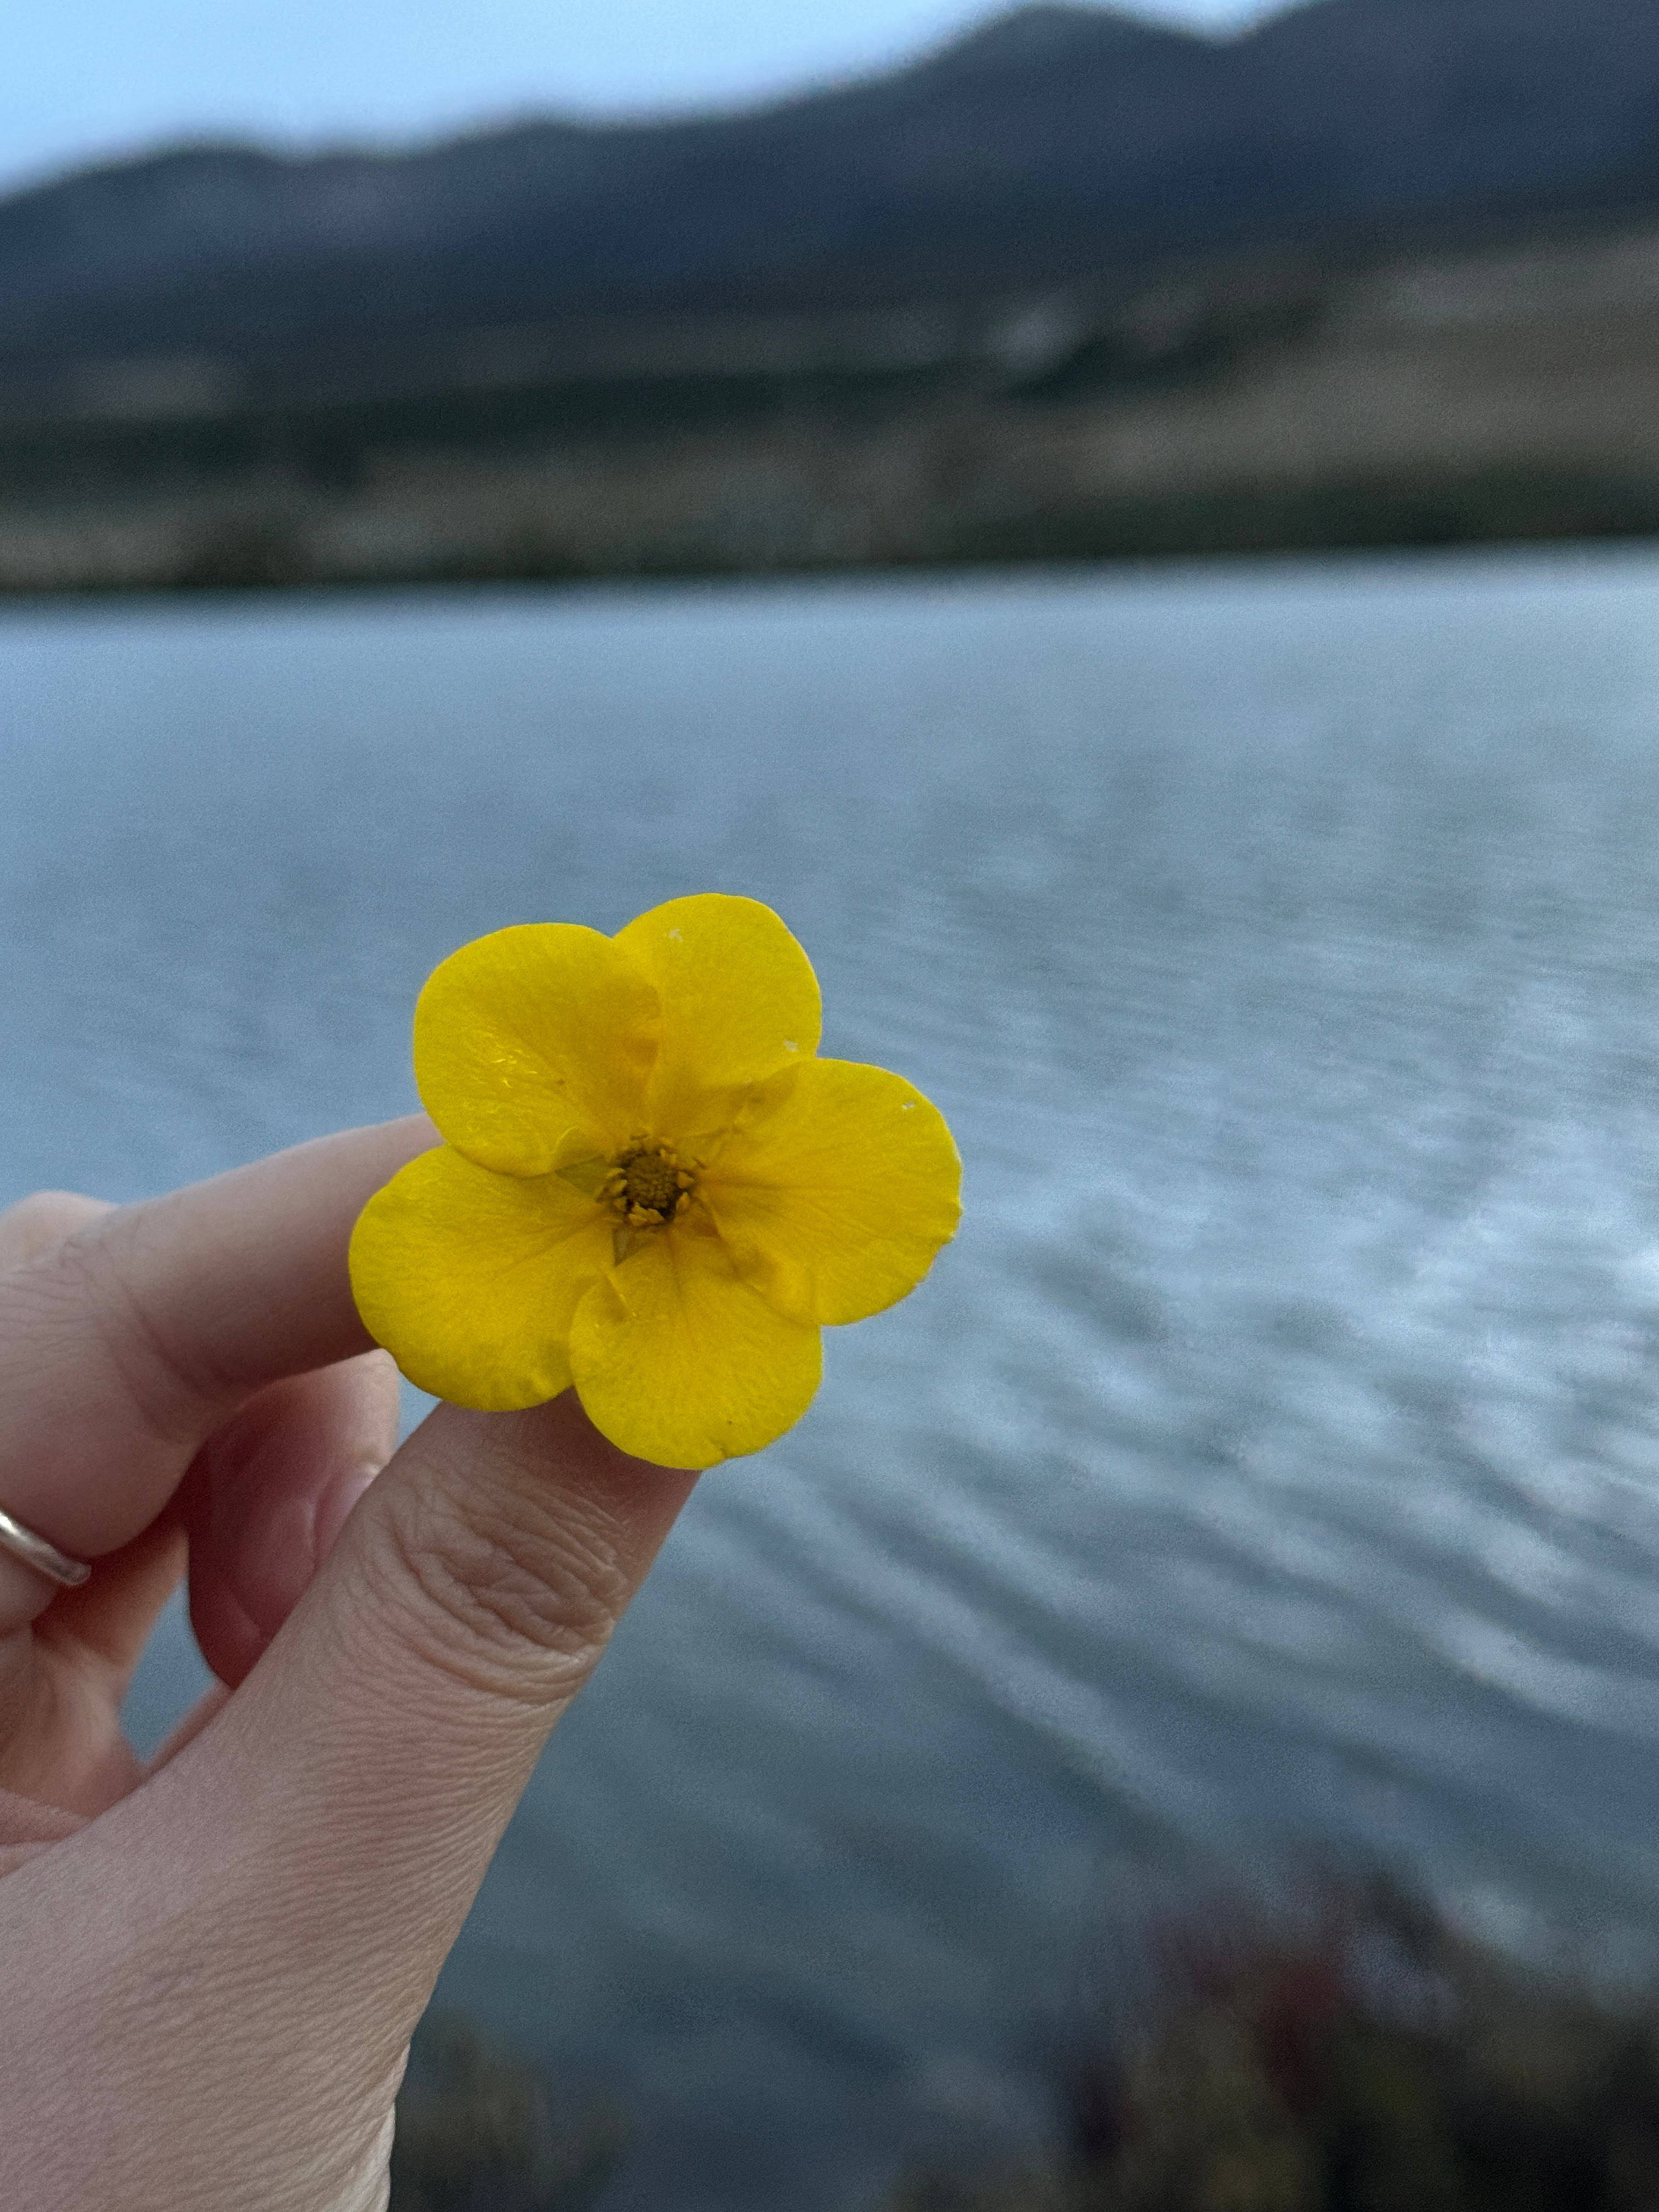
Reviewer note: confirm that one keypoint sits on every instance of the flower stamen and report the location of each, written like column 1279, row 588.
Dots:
column 646, row 1185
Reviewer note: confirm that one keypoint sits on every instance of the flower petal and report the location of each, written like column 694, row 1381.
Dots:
column 470, row 1279
column 835, row 1190
column 678, row 1361
column 739, row 1000
column 532, row 1045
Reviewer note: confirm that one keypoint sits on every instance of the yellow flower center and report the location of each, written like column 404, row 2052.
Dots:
column 646, row 1185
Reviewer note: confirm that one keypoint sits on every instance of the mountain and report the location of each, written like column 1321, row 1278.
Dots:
column 1053, row 144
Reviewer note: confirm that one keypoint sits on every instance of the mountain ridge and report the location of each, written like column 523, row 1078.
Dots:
column 1050, row 144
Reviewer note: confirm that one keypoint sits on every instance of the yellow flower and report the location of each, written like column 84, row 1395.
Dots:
column 650, row 1186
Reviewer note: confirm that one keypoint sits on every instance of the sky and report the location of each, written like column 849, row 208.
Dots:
column 83, row 79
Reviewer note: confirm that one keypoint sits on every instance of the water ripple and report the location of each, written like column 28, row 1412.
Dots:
column 1271, row 1468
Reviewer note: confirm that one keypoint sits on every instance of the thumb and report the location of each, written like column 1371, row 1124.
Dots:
column 363, row 1774
column 265, row 1918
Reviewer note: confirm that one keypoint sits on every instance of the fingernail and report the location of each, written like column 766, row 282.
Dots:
column 334, row 1506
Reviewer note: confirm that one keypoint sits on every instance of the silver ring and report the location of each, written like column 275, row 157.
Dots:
column 45, row 1558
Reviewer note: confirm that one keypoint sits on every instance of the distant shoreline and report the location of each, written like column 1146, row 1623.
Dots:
column 1506, row 396
column 1495, row 511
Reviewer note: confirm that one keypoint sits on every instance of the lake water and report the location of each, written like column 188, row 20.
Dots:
column 1269, row 1475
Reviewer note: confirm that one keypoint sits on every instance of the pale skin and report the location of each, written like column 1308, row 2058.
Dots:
column 211, row 1967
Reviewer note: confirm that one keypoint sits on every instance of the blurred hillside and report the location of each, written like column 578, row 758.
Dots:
column 1381, row 271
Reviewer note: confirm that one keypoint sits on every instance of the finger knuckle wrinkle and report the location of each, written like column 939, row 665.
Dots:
column 166, row 1385
column 495, row 1583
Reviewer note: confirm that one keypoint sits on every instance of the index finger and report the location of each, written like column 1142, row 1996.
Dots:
column 124, row 1347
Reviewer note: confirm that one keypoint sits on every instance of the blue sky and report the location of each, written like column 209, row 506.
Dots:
column 86, row 77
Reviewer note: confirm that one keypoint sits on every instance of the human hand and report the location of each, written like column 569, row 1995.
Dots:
column 212, row 1965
